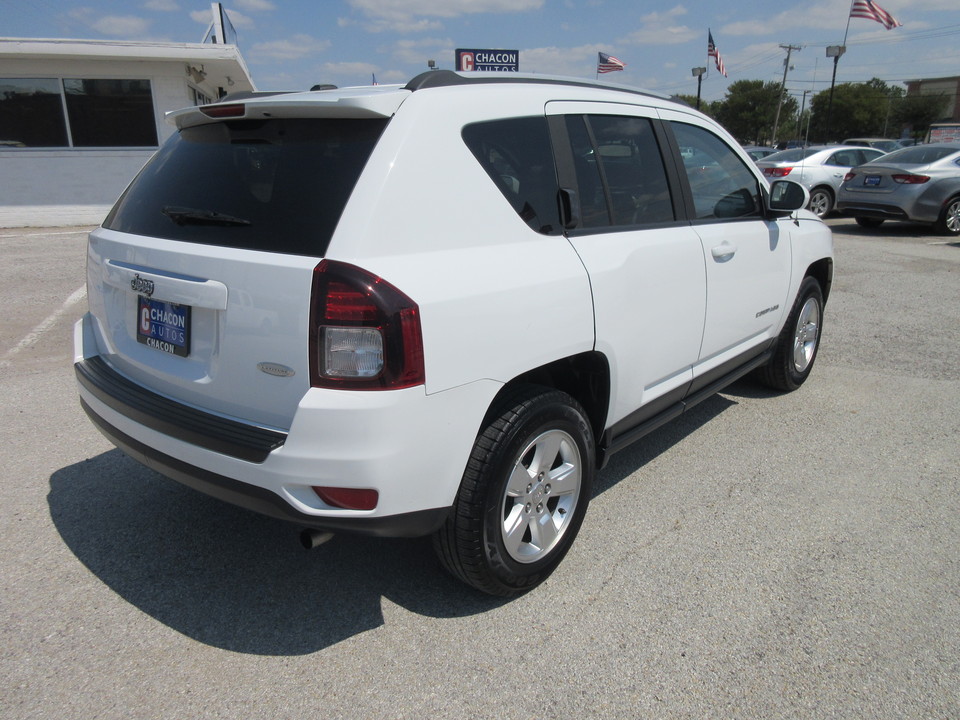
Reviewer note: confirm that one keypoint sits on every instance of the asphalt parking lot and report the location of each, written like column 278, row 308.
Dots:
column 766, row 556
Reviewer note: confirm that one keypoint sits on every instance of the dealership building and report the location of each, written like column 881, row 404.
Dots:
column 79, row 118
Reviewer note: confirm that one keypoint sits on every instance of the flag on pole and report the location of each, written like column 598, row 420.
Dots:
column 869, row 10
column 608, row 63
column 715, row 54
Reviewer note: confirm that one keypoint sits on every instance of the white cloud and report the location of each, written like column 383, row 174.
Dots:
column 256, row 5
column 161, row 5
column 295, row 48
column 447, row 8
column 412, row 15
column 239, row 20
column 663, row 35
column 417, row 52
column 126, row 26
column 662, row 28
column 660, row 17
column 576, row 62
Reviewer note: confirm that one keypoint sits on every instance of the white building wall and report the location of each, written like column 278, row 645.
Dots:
column 77, row 186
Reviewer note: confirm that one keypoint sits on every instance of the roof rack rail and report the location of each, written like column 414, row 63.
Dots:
column 449, row 78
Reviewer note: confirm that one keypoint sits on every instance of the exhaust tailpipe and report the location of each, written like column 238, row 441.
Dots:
column 311, row 539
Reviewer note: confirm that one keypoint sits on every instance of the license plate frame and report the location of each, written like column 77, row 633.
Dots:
column 163, row 325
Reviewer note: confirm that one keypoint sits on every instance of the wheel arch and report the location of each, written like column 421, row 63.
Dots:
column 585, row 377
column 822, row 272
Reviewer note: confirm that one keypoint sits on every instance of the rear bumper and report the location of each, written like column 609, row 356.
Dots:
column 261, row 500
column 870, row 210
column 409, row 446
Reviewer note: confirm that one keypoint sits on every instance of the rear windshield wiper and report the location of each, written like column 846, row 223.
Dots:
column 192, row 216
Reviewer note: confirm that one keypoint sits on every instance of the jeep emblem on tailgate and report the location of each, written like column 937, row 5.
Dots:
column 139, row 285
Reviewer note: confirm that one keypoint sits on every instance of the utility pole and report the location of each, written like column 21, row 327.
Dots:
column 783, row 87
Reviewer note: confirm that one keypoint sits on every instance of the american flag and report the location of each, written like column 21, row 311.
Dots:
column 869, row 10
column 608, row 63
column 715, row 54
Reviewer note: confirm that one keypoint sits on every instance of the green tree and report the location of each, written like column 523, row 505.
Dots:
column 706, row 107
column 858, row 110
column 916, row 112
column 749, row 108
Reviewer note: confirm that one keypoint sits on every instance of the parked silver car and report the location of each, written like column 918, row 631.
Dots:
column 820, row 169
column 920, row 183
column 885, row 144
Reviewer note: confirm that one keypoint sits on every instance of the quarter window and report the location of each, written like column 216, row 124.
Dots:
column 517, row 155
column 721, row 184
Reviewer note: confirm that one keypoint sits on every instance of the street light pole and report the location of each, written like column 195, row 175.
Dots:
column 698, row 72
column 834, row 51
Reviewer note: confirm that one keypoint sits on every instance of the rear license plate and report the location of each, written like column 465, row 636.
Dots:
column 163, row 325
column 871, row 180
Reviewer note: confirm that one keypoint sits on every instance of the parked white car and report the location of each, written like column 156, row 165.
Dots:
column 439, row 308
column 820, row 169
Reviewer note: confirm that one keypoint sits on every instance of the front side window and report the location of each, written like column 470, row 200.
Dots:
column 517, row 155
column 721, row 184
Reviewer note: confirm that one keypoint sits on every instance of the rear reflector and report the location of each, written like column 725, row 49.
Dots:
column 348, row 498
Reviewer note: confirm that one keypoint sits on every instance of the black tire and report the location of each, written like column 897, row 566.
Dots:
column 821, row 202
column 799, row 341
column 476, row 544
column 869, row 222
column 949, row 221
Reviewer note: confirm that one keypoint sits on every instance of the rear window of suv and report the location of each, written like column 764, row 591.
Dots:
column 275, row 185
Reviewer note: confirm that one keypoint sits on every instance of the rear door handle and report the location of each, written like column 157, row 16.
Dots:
column 724, row 252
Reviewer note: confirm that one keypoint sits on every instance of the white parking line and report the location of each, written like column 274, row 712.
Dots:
column 34, row 234
column 34, row 335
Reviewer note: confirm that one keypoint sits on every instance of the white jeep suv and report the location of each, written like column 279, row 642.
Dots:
column 438, row 308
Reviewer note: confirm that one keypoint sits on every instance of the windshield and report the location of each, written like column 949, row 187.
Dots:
column 918, row 155
column 276, row 185
column 794, row 155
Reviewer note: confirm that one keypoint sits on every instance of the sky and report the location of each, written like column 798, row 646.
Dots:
column 294, row 44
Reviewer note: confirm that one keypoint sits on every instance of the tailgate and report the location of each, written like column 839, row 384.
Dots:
column 221, row 329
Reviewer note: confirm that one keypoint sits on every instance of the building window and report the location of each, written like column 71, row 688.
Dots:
column 49, row 112
column 31, row 113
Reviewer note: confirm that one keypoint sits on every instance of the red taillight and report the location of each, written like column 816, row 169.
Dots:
column 849, row 176
column 364, row 333
column 777, row 171
column 910, row 179
column 348, row 498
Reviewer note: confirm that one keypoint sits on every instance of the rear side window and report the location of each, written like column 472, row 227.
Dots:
column 517, row 155
column 275, row 185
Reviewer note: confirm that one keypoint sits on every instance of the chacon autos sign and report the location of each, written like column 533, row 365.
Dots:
column 488, row 60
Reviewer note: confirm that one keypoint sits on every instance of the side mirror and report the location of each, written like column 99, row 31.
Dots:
column 787, row 196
